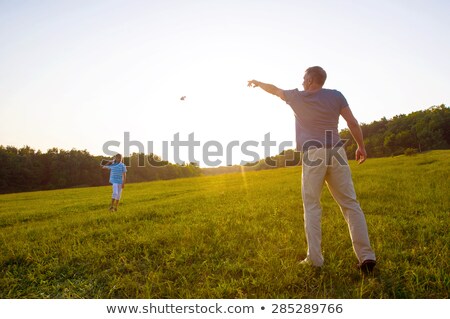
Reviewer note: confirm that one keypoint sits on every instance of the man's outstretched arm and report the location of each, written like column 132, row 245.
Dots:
column 269, row 88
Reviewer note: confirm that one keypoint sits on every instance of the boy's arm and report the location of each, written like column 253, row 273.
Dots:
column 105, row 164
column 356, row 132
column 269, row 88
column 124, row 179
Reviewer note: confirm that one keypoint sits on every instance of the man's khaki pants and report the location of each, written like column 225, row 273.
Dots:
column 331, row 166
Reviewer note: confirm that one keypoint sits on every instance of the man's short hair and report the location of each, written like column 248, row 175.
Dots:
column 317, row 74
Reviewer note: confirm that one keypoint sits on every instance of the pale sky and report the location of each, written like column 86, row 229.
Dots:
column 76, row 74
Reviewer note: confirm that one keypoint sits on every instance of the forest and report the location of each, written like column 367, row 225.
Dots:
column 405, row 134
column 402, row 135
column 25, row 169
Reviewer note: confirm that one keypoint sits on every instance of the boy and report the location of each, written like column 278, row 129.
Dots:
column 117, row 178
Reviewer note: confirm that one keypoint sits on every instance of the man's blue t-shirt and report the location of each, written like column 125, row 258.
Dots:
column 117, row 169
column 316, row 116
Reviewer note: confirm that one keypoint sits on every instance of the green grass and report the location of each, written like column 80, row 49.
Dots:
column 229, row 236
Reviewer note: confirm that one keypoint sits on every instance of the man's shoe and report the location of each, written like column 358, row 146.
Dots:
column 367, row 266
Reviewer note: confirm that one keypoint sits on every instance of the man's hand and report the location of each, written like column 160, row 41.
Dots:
column 360, row 155
column 253, row 83
column 123, row 185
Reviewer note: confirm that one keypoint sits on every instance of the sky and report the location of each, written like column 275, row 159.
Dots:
column 78, row 74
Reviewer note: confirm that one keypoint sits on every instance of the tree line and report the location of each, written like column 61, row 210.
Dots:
column 24, row 169
column 404, row 134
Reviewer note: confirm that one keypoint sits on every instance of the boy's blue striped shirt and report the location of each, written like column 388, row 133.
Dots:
column 117, row 169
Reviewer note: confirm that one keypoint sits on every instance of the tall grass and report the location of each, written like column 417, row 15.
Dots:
column 229, row 236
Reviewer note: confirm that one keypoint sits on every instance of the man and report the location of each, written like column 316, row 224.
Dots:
column 317, row 112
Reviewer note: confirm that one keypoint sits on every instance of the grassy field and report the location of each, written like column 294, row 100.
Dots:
column 229, row 236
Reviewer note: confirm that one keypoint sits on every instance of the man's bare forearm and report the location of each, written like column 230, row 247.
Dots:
column 355, row 130
column 269, row 88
